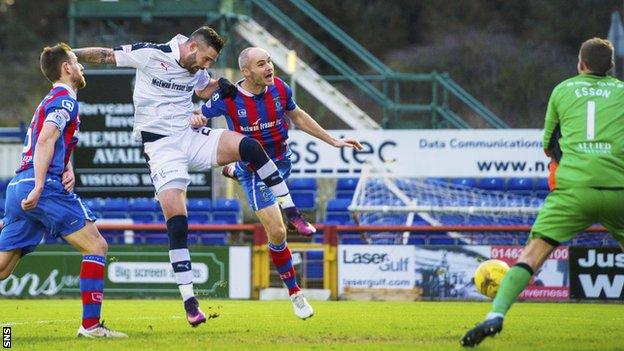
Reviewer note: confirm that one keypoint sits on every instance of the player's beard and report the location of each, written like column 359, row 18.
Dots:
column 191, row 59
column 80, row 82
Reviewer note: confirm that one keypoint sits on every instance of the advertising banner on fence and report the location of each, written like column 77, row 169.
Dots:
column 445, row 272
column 424, row 153
column 375, row 266
column 597, row 273
column 132, row 271
column 108, row 160
column 550, row 283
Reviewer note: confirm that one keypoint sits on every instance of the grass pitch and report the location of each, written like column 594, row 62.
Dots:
column 344, row 325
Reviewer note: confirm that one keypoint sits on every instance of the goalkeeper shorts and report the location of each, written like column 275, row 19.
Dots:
column 568, row 212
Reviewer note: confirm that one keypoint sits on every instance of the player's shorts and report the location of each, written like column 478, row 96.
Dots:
column 258, row 194
column 567, row 212
column 171, row 157
column 58, row 213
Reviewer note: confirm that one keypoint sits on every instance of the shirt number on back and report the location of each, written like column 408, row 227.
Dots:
column 591, row 120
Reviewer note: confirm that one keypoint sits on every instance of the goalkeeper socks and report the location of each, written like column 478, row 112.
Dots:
column 251, row 151
column 181, row 263
column 92, row 289
column 282, row 259
column 515, row 280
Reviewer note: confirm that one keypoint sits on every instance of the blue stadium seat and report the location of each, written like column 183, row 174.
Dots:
column 520, row 185
column 214, row 238
column 338, row 218
column 541, row 184
column 495, row 183
column 470, row 182
column 302, row 184
column 115, row 208
column 338, row 205
column 345, row 187
column 116, row 204
column 337, row 211
column 144, row 204
column 94, row 204
column 143, row 217
column 199, row 204
column 541, row 188
column 303, row 192
column 201, row 217
column 436, row 180
column 226, row 210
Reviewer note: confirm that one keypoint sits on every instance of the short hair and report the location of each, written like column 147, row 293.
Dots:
column 209, row 37
column 243, row 57
column 52, row 59
column 597, row 54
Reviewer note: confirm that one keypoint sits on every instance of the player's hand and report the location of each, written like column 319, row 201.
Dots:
column 348, row 142
column 31, row 201
column 227, row 89
column 198, row 120
column 69, row 180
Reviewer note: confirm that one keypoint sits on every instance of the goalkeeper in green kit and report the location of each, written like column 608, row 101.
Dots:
column 589, row 182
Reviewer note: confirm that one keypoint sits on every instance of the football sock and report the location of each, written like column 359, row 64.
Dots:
column 92, row 289
column 282, row 259
column 515, row 280
column 181, row 263
column 179, row 256
column 251, row 151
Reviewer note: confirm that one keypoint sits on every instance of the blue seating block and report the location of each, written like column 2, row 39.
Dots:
column 518, row 184
column 302, row 184
column 144, row 204
column 199, row 204
column 497, row 184
column 469, row 182
column 338, row 205
column 226, row 210
column 345, row 187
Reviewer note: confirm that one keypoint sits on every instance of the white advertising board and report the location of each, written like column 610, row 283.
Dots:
column 375, row 266
column 424, row 153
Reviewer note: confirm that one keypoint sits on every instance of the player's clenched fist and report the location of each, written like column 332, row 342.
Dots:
column 33, row 198
column 198, row 120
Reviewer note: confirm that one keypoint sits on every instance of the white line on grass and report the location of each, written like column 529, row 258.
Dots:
column 9, row 324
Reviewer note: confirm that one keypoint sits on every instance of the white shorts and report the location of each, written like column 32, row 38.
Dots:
column 171, row 158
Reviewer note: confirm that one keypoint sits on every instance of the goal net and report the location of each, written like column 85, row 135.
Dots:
column 382, row 198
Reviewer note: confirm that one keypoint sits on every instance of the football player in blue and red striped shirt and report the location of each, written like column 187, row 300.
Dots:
column 40, row 199
column 259, row 109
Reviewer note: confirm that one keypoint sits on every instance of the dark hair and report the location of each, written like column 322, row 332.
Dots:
column 597, row 54
column 51, row 60
column 209, row 36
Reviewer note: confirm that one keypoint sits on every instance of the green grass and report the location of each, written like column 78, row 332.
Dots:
column 344, row 325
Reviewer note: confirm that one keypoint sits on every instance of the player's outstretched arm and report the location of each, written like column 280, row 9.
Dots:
column 306, row 123
column 95, row 55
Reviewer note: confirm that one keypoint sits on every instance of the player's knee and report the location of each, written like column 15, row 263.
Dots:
column 277, row 234
column 250, row 150
column 98, row 247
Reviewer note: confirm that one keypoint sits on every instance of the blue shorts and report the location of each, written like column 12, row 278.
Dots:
column 258, row 194
column 58, row 213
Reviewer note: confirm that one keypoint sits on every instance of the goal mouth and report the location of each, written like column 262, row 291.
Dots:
column 382, row 198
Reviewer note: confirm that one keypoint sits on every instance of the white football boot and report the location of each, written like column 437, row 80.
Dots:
column 99, row 331
column 301, row 306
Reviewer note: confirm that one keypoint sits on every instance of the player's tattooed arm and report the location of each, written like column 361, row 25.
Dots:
column 95, row 55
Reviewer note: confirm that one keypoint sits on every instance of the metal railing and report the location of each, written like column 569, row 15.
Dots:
column 392, row 106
